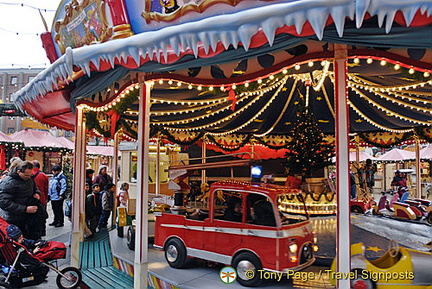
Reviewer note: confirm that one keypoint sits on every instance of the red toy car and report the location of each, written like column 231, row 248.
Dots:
column 243, row 228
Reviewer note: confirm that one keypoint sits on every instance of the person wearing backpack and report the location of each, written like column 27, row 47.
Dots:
column 107, row 201
column 57, row 192
column 93, row 208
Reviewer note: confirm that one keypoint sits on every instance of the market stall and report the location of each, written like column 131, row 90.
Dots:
column 42, row 146
column 230, row 71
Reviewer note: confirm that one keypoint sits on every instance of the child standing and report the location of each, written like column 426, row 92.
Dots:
column 123, row 196
column 107, row 200
column 93, row 208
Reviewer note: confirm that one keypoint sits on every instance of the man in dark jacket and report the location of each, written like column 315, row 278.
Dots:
column 18, row 194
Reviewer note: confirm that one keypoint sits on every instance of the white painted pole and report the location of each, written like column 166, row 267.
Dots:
column 78, row 197
column 343, row 240
column 157, row 191
column 204, row 155
column 418, row 167
column 115, row 176
column 141, row 236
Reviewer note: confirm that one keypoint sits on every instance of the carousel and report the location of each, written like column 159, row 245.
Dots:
column 233, row 73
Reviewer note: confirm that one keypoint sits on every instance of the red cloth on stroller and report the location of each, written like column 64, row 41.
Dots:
column 51, row 251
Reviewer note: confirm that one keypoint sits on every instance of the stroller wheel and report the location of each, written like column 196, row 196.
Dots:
column 69, row 278
column 5, row 285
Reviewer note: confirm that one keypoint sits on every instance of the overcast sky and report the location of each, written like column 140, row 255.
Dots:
column 25, row 49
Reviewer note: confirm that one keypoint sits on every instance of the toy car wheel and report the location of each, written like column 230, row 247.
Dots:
column 357, row 209
column 5, row 285
column 362, row 283
column 69, row 278
column 247, row 266
column 175, row 253
column 131, row 238
column 429, row 218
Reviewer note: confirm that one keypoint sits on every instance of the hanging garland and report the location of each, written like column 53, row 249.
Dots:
column 424, row 133
column 274, row 147
column 239, row 145
column 187, row 141
column 373, row 138
column 127, row 101
column 300, row 197
column 92, row 122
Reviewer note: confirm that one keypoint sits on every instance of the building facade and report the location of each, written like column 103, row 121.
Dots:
column 12, row 80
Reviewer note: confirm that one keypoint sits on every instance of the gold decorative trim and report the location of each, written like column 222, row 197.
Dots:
column 155, row 16
column 122, row 31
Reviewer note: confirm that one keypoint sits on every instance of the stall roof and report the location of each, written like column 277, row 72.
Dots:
column 426, row 153
column 397, row 155
column 36, row 139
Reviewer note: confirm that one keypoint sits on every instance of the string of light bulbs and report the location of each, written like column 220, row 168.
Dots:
column 387, row 111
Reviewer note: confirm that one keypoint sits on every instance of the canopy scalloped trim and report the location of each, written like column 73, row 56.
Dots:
column 215, row 34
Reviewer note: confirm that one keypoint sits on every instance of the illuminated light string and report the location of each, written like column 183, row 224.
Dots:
column 219, row 121
column 202, row 117
column 242, row 97
column 257, row 114
column 259, row 92
column 397, row 65
column 188, row 102
column 282, row 113
column 410, row 98
column 392, row 113
column 161, row 113
column 115, row 101
column 394, row 100
column 368, row 85
column 362, row 115
column 404, row 104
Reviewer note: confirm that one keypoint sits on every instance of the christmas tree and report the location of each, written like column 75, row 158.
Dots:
column 308, row 149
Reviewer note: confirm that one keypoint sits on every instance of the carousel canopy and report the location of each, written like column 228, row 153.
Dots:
column 246, row 72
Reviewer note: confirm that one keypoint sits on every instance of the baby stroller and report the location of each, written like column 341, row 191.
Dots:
column 20, row 268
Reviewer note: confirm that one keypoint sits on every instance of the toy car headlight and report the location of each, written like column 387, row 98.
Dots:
column 293, row 248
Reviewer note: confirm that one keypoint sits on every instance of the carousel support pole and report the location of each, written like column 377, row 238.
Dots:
column 343, row 252
column 115, row 175
column 204, row 155
column 357, row 147
column 418, row 167
column 157, row 191
column 78, row 215
column 141, row 236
